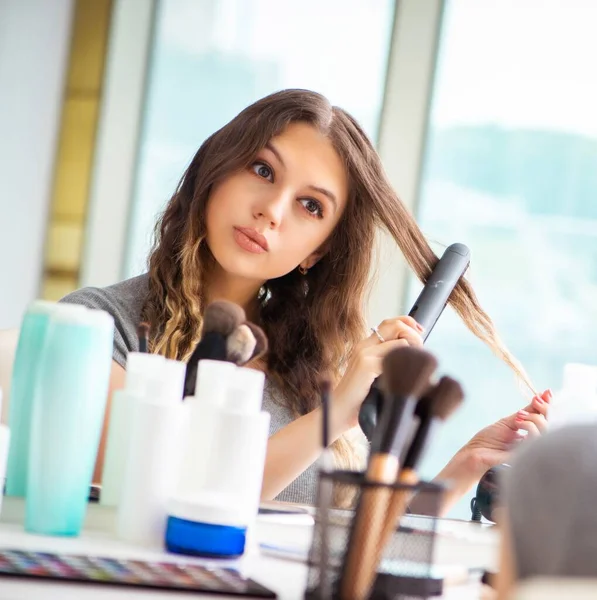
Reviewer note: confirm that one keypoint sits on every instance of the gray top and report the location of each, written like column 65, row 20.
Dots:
column 550, row 493
column 124, row 301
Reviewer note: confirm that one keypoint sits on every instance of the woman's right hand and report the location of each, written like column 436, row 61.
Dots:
column 365, row 365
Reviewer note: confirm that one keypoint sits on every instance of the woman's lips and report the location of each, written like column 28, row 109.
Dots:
column 250, row 240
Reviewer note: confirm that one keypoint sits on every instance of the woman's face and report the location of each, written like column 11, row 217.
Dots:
column 265, row 221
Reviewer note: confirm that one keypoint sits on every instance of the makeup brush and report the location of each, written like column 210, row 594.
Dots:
column 327, row 456
column 406, row 374
column 261, row 339
column 326, row 490
column 142, row 336
column 221, row 318
column 240, row 345
column 432, row 410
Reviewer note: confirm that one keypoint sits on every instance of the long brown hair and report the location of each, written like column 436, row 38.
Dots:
column 312, row 322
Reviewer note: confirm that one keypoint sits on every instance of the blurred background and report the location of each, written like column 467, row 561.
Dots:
column 484, row 113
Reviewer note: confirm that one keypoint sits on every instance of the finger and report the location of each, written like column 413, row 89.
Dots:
column 533, row 423
column 412, row 323
column 547, row 396
column 392, row 329
column 512, row 421
column 412, row 336
column 540, row 406
column 398, row 328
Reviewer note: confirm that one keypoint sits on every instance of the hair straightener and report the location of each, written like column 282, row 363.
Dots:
column 426, row 310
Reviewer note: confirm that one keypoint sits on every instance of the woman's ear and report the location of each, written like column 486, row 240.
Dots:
column 316, row 256
column 312, row 260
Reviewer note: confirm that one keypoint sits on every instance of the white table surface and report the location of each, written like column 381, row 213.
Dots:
column 458, row 542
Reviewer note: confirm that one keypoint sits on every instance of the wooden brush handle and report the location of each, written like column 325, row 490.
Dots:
column 361, row 564
column 397, row 507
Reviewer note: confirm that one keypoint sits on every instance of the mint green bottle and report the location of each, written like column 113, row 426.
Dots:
column 66, row 419
column 26, row 363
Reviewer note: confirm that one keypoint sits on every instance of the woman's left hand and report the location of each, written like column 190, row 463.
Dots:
column 492, row 446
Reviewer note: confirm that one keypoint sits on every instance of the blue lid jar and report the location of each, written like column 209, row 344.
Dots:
column 207, row 524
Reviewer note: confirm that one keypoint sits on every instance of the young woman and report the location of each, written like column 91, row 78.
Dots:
column 278, row 212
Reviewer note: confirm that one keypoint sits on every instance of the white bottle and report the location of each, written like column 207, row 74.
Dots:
column 4, row 443
column 141, row 370
column 576, row 401
column 239, row 443
column 201, row 410
column 216, row 518
column 153, row 460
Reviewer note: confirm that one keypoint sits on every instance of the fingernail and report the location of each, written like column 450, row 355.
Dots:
column 539, row 399
column 519, row 419
column 523, row 413
column 548, row 393
column 420, row 328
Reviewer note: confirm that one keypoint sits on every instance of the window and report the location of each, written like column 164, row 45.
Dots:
column 211, row 58
column 510, row 170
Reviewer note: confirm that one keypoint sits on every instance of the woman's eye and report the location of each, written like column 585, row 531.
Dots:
column 313, row 207
column 262, row 170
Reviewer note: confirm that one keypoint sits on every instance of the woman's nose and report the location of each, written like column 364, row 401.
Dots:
column 272, row 209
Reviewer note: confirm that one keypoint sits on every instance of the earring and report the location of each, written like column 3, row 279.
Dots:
column 303, row 270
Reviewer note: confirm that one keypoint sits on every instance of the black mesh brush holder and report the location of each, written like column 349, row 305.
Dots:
column 405, row 568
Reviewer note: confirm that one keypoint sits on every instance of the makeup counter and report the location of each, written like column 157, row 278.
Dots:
column 275, row 558
column 159, row 507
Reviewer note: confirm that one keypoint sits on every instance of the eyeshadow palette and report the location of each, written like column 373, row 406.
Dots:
column 116, row 571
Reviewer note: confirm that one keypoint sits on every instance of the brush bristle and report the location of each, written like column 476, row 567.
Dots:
column 407, row 370
column 143, row 330
column 261, row 339
column 222, row 317
column 240, row 345
column 325, row 387
column 444, row 398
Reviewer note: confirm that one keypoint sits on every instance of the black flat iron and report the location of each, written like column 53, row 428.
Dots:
column 426, row 310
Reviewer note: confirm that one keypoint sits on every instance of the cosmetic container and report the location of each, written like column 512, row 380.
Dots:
column 214, row 518
column 213, row 378
column 67, row 416
column 576, row 401
column 24, row 374
column 207, row 524
column 4, row 445
column 141, row 371
column 153, row 460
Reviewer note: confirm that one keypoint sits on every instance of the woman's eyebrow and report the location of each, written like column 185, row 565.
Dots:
column 269, row 146
column 326, row 193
